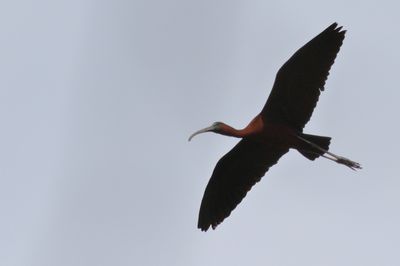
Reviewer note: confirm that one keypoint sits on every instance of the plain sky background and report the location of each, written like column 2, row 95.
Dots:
column 98, row 98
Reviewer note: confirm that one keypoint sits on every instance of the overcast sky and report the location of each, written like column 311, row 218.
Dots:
column 98, row 98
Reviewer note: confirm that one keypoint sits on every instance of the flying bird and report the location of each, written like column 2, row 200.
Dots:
column 278, row 128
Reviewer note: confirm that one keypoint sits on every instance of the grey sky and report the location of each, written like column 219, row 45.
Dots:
column 98, row 98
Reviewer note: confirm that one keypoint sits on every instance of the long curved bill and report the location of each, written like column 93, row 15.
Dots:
column 207, row 129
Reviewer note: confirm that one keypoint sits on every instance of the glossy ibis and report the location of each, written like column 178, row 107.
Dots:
column 278, row 128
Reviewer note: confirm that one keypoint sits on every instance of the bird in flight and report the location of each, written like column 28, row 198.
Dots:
column 278, row 128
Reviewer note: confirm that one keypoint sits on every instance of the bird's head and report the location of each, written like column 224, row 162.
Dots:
column 216, row 127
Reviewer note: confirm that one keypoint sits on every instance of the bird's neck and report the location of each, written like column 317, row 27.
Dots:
column 254, row 127
column 227, row 130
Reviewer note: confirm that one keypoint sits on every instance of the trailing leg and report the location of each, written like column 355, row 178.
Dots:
column 333, row 157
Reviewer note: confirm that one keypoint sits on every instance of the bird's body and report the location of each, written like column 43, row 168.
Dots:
column 278, row 134
column 278, row 128
column 264, row 132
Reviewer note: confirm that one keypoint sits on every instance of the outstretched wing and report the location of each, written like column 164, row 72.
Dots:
column 300, row 80
column 234, row 175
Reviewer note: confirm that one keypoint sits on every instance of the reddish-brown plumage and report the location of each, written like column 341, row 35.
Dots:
column 275, row 130
column 280, row 135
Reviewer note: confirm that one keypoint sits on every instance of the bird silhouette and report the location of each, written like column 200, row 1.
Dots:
column 278, row 128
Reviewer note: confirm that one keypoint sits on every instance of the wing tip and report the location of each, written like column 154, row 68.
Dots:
column 205, row 227
column 334, row 27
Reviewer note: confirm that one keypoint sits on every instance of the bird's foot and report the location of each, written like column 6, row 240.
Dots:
column 347, row 162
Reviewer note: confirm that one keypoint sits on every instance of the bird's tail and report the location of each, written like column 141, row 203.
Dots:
column 314, row 146
column 310, row 151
